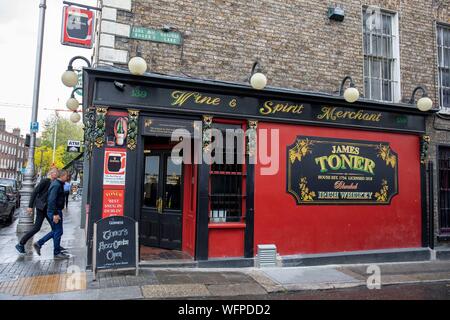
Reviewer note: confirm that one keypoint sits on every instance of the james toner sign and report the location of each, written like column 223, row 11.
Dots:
column 333, row 171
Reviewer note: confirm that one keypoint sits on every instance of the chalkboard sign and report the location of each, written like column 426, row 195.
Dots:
column 115, row 244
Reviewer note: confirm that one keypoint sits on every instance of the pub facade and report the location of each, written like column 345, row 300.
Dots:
column 319, row 175
column 322, row 179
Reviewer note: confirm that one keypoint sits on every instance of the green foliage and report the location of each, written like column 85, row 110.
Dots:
column 66, row 130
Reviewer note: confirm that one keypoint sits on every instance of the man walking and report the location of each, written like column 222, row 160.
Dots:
column 39, row 200
column 66, row 192
column 54, row 213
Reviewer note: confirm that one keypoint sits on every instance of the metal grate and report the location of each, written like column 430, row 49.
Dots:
column 444, row 189
column 267, row 255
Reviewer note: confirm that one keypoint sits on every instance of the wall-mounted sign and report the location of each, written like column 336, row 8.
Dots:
column 114, row 167
column 115, row 244
column 116, row 130
column 113, row 202
column 73, row 146
column 340, row 171
column 77, row 27
column 164, row 127
column 156, row 35
column 200, row 103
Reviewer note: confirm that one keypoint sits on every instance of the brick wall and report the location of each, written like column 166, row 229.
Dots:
column 298, row 45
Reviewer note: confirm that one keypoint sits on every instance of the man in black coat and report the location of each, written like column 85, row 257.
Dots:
column 55, row 206
column 39, row 200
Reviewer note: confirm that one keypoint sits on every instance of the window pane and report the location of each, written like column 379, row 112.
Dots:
column 151, row 180
column 172, row 196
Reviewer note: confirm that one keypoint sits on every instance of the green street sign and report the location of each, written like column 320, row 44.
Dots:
column 156, row 35
column 79, row 84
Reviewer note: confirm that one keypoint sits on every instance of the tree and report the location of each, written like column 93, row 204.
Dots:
column 66, row 130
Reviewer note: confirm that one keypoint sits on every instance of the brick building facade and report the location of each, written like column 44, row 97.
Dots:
column 12, row 152
column 299, row 47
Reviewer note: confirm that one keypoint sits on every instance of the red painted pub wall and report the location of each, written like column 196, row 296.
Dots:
column 296, row 229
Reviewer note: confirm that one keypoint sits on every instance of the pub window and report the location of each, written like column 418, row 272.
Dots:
column 381, row 56
column 443, row 44
column 444, row 189
column 227, row 181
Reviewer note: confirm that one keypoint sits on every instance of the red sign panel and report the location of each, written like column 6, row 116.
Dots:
column 77, row 27
column 112, row 203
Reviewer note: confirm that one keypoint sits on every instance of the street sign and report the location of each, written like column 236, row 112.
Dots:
column 169, row 37
column 79, row 84
column 73, row 146
column 34, row 126
column 77, row 27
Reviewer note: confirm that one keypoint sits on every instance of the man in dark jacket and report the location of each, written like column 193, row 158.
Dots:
column 39, row 200
column 54, row 213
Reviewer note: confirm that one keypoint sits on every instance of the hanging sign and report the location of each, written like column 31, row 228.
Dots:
column 340, row 171
column 114, row 167
column 73, row 146
column 77, row 27
column 115, row 244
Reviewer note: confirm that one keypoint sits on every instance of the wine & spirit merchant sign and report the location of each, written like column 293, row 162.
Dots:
column 340, row 171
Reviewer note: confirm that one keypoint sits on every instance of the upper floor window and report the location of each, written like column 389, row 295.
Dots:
column 381, row 55
column 443, row 44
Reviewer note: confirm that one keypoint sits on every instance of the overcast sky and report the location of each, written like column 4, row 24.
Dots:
column 18, row 39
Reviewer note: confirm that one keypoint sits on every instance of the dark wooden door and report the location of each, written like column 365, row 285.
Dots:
column 161, row 213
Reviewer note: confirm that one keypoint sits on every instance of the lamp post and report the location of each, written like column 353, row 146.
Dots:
column 26, row 221
column 423, row 104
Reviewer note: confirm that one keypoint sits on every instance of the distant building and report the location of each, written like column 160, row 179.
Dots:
column 12, row 152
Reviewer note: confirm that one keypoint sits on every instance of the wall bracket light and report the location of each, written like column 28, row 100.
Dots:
column 69, row 77
column 424, row 103
column 257, row 79
column 351, row 94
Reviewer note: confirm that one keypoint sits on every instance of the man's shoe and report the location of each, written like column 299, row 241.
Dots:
column 20, row 248
column 63, row 249
column 37, row 247
column 61, row 256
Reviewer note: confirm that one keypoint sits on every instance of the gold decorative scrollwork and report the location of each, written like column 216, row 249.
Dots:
column 384, row 152
column 305, row 194
column 301, row 149
column 133, row 116
column 382, row 195
column 100, row 126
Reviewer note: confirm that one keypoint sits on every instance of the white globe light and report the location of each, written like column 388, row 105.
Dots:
column 72, row 104
column 69, row 78
column 137, row 66
column 424, row 104
column 258, row 81
column 75, row 117
column 351, row 95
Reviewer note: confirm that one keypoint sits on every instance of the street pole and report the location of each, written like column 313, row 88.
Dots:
column 55, row 132
column 26, row 221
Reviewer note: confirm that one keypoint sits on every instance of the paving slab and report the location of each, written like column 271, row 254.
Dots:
column 242, row 289
column 175, row 291
column 307, row 278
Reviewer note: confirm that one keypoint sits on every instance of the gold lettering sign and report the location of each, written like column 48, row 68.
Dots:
column 181, row 97
column 271, row 108
column 332, row 113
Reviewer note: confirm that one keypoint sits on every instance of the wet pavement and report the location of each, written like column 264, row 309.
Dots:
column 31, row 276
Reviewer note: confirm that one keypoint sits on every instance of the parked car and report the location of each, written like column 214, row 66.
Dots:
column 7, row 206
column 15, row 188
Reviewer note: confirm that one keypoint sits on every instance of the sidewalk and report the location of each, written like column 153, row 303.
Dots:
column 33, row 277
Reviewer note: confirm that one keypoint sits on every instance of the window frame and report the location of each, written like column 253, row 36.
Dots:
column 442, row 108
column 443, row 231
column 242, row 174
column 396, row 72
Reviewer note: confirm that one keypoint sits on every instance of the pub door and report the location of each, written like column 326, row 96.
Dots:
column 161, row 212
